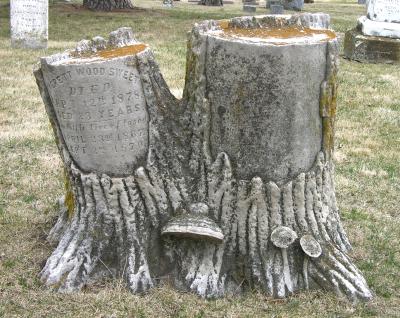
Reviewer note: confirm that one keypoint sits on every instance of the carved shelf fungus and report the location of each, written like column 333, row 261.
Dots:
column 228, row 189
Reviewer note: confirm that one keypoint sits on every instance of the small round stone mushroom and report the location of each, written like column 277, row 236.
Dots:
column 283, row 236
column 312, row 249
column 310, row 246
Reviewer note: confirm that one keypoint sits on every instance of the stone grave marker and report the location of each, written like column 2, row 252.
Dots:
column 249, row 6
column 234, row 180
column 276, row 7
column 384, row 10
column 29, row 23
column 296, row 5
column 377, row 36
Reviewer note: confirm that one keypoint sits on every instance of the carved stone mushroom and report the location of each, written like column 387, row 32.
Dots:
column 282, row 237
column 310, row 246
column 312, row 249
column 195, row 225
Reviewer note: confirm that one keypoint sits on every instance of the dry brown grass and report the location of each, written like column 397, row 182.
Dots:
column 368, row 182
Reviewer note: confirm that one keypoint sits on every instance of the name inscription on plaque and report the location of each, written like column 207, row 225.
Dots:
column 102, row 114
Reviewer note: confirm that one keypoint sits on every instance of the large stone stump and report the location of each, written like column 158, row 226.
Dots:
column 228, row 189
column 29, row 23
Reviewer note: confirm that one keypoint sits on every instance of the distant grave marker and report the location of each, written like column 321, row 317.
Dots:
column 377, row 36
column 250, row 6
column 29, row 23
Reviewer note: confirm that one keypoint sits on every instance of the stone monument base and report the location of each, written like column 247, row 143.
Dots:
column 376, row 28
column 371, row 49
column 29, row 43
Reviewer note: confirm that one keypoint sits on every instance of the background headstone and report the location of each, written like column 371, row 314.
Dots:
column 296, row 5
column 361, row 1
column 277, row 9
column 377, row 36
column 383, row 19
column 29, row 23
column 250, row 6
column 384, row 10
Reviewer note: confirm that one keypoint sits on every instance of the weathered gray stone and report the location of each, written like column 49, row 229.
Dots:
column 265, row 127
column 276, row 9
column 296, row 5
column 384, row 10
column 376, row 38
column 268, row 3
column 249, row 8
column 29, row 23
column 371, row 49
column 361, row 1
column 100, row 107
column 375, row 28
column 198, row 211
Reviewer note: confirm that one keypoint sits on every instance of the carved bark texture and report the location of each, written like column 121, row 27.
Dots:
column 107, row 5
column 188, row 213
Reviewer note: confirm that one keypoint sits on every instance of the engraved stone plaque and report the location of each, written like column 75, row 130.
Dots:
column 101, row 111
column 29, row 23
column 384, row 10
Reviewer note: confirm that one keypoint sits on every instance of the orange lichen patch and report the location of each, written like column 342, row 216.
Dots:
column 110, row 52
column 121, row 51
column 286, row 34
column 223, row 24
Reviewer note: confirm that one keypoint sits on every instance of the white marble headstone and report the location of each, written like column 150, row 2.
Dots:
column 29, row 23
column 384, row 10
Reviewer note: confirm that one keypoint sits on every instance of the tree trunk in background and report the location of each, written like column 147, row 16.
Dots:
column 215, row 3
column 229, row 189
column 107, row 5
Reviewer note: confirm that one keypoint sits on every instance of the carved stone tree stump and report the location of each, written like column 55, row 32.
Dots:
column 228, row 189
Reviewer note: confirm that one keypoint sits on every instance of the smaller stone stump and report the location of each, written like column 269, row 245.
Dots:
column 29, row 23
column 377, row 36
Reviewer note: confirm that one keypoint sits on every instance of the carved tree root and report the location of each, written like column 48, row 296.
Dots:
column 249, row 214
column 106, row 234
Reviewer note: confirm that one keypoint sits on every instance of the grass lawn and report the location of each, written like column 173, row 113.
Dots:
column 367, row 173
